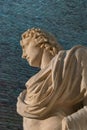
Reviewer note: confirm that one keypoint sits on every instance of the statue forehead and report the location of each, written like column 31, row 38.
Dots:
column 24, row 42
column 27, row 41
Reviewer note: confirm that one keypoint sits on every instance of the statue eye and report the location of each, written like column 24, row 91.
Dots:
column 23, row 46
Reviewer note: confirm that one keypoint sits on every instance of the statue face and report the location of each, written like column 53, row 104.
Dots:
column 31, row 52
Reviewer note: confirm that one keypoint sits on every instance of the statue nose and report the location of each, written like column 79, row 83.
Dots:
column 23, row 56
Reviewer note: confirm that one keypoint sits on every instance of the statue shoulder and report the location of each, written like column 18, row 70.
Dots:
column 81, row 51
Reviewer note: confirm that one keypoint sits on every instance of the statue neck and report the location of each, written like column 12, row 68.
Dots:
column 46, row 58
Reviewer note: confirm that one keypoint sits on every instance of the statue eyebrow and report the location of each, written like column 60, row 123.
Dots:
column 21, row 43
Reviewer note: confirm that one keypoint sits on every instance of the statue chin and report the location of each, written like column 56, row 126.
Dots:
column 32, row 64
column 29, row 62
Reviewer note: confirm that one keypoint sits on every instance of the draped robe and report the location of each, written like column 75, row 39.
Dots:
column 63, row 82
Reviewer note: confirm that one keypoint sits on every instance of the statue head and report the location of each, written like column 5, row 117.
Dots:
column 35, row 43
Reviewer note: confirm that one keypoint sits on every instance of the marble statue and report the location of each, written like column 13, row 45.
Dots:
column 56, row 97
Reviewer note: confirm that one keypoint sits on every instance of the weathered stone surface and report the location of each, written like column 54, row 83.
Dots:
column 66, row 19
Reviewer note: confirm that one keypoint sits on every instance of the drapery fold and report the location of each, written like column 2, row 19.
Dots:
column 60, row 84
column 76, row 121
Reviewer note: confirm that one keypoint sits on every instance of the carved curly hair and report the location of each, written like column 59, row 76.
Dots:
column 44, row 40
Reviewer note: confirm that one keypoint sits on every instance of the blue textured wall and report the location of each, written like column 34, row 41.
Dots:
column 66, row 19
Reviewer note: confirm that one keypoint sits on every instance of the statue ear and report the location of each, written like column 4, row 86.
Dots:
column 53, row 51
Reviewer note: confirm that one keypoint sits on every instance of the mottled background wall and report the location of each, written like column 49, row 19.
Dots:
column 66, row 19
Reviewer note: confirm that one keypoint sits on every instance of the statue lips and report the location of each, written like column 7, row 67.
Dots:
column 27, row 58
